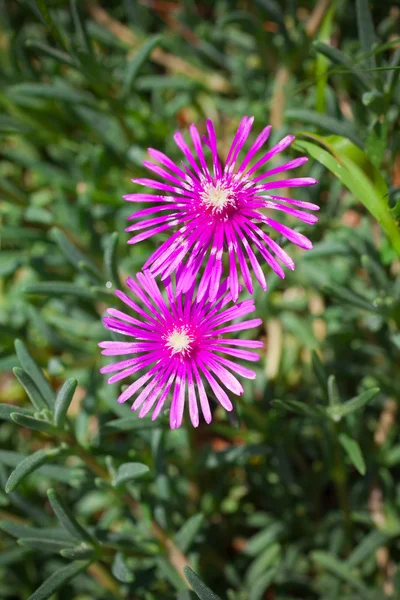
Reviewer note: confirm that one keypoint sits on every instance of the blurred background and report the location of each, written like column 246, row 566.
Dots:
column 296, row 495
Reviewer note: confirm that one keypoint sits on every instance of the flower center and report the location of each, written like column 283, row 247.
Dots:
column 180, row 341
column 217, row 197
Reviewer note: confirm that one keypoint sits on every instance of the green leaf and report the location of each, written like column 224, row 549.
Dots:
column 263, row 582
column 366, row 548
column 353, row 451
column 67, row 519
column 366, row 31
column 34, row 371
column 338, row 411
column 48, row 20
column 299, row 408
column 349, row 297
column 59, row 288
column 28, row 465
column 73, row 254
column 59, row 579
column 7, row 409
column 320, row 372
column 339, row 58
column 333, row 391
column 58, row 55
column 129, row 471
column 110, row 259
column 32, row 423
column 135, row 64
column 340, row 570
column 33, row 393
column 45, row 545
column 202, row 591
column 120, row 570
column 343, row 128
column 353, row 169
column 80, row 552
column 63, row 400
column 187, row 533
column 80, row 25
column 267, row 559
column 129, row 423
column 264, row 538
column 63, row 92
column 20, row 530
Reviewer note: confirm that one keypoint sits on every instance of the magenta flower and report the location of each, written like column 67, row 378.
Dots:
column 219, row 211
column 179, row 345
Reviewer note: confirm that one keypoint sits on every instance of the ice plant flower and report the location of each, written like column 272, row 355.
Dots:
column 178, row 343
column 218, row 210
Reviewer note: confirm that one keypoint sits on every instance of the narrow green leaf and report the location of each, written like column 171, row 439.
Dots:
column 187, row 533
column 340, row 570
column 34, row 372
column 45, row 545
column 129, row 423
column 261, row 540
column 80, row 25
column 120, row 570
column 28, row 465
column 339, row 58
column 326, row 123
column 59, row 579
column 110, row 259
column 63, row 400
column 58, row 55
column 33, row 393
column 349, row 297
column 135, row 64
column 263, row 582
column 7, row 409
column 81, row 552
column 339, row 411
column 59, row 288
column 268, row 558
column 366, row 31
column 201, row 590
column 32, row 423
column 48, row 20
column 129, row 471
column 366, row 548
column 333, row 391
column 351, row 166
column 67, row 519
column 353, row 451
column 20, row 530
column 298, row 407
column 12, row 555
column 63, row 92
column 320, row 372
column 72, row 253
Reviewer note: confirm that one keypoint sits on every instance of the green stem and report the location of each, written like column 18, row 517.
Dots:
column 339, row 476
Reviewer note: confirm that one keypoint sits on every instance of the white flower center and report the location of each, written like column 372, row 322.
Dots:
column 179, row 341
column 216, row 197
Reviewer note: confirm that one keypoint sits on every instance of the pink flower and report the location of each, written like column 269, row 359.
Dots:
column 217, row 212
column 178, row 344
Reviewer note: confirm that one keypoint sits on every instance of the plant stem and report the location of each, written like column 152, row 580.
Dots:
column 339, row 476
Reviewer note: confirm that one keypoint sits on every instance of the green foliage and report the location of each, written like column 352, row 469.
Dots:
column 295, row 495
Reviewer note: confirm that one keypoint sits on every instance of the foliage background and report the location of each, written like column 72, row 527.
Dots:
column 297, row 495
